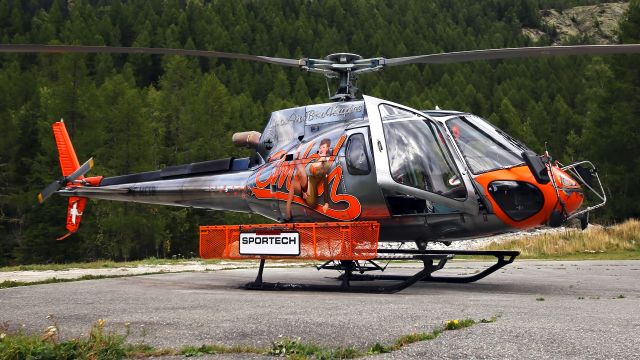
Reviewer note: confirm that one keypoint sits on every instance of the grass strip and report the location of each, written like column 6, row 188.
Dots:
column 107, row 345
column 409, row 339
column 617, row 242
column 98, row 345
column 294, row 349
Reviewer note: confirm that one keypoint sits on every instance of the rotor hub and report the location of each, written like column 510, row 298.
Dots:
column 343, row 58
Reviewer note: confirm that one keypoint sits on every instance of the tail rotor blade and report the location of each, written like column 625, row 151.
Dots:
column 48, row 191
column 88, row 165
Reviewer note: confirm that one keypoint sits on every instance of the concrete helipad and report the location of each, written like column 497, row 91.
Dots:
column 544, row 309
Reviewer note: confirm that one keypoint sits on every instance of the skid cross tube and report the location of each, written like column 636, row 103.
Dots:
column 369, row 265
column 432, row 260
column 427, row 261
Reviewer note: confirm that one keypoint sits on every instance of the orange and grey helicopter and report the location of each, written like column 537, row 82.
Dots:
column 340, row 178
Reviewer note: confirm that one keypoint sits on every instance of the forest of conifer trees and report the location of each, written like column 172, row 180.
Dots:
column 138, row 113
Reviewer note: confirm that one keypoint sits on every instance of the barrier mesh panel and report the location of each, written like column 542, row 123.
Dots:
column 319, row 241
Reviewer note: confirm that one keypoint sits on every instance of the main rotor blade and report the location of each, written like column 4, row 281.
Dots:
column 81, row 49
column 512, row 53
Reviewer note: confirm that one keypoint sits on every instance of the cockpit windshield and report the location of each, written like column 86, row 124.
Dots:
column 485, row 147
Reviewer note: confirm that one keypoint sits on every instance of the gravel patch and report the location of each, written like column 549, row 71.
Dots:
column 192, row 266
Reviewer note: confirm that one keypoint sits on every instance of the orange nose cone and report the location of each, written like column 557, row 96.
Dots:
column 521, row 202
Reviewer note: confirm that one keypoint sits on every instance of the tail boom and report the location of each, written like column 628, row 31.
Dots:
column 227, row 191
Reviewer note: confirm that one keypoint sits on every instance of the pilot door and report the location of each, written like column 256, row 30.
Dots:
column 413, row 162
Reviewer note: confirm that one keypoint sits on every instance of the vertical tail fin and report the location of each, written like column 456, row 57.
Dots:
column 68, row 159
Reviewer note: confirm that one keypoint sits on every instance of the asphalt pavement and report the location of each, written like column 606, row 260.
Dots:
column 544, row 309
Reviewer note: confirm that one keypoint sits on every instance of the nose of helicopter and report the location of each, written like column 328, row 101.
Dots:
column 521, row 202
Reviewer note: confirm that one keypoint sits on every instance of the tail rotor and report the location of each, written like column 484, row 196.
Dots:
column 70, row 179
column 72, row 176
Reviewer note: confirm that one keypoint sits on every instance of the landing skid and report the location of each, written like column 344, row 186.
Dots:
column 432, row 260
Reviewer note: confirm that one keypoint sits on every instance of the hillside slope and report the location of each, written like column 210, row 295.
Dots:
column 597, row 23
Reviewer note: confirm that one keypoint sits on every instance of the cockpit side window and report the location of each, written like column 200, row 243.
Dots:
column 356, row 156
column 481, row 151
column 418, row 156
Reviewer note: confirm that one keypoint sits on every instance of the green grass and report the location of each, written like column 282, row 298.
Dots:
column 98, row 345
column 610, row 255
column 294, row 349
column 424, row 336
column 102, row 344
column 617, row 242
column 190, row 351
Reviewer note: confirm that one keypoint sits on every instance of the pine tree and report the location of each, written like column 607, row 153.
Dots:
column 612, row 133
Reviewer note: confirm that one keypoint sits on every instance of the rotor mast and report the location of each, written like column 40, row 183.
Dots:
column 345, row 67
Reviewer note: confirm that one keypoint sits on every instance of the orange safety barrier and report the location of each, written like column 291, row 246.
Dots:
column 319, row 241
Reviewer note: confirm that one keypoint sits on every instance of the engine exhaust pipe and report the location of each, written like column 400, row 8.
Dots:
column 248, row 139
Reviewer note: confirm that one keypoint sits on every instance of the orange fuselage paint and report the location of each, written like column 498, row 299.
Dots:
column 568, row 189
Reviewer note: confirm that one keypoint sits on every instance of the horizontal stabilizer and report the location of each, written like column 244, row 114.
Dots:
column 88, row 191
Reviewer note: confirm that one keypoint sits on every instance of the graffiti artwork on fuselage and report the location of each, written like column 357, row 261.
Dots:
column 312, row 178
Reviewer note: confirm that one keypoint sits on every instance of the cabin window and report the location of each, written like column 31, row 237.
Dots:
column 418, row 155
column 357, row 160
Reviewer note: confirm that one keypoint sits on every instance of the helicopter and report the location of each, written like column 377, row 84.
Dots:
column 342, row 177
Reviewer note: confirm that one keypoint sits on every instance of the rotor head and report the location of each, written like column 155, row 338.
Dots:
column 344, row 66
